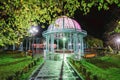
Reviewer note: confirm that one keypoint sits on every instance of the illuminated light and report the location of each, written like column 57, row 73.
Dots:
column 118, row 22
column 118, row 40
column 33, row 30
column 64, row 39
column 70, row 44
column 78, row 43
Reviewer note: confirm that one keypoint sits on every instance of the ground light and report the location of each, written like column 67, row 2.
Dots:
column 64, row 39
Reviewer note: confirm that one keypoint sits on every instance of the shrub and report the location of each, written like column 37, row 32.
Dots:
column 17, row 74
column 29, row 66
column 34, row 62
column 80, row 68
column 25, row 69
column 84, row 71
column 10, row 77
column 95, row 77
column 88, row 73
column 38, row 59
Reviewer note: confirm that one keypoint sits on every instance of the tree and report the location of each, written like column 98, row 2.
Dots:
column 16, row 16
column 93, row 42
column 117, row 28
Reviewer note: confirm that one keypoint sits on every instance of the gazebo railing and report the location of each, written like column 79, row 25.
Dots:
column 65, row 30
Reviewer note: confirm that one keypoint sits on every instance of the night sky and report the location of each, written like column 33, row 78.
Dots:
column 95, row 21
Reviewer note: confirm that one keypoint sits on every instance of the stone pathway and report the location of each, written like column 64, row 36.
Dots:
column 50, row 71
column 68, row 73
column 55, row 70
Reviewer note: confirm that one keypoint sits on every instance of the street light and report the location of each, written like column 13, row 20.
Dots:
column 33, row 31
column 118, row 40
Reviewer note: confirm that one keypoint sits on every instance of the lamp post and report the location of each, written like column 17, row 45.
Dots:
column 33, row 31
column 79, row 52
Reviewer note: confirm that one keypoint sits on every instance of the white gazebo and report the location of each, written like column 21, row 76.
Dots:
column 67, row 29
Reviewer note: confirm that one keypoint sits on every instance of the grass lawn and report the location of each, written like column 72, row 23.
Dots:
column 11, row 58
column 28, row 74
column 104, row 68
column 11, row 63
column 107, row 67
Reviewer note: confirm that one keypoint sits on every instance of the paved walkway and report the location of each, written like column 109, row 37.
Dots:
column 55, row 70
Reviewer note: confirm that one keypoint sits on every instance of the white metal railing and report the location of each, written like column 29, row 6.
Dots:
column 64, row 30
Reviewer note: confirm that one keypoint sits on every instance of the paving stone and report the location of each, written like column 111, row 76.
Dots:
column 51, row 70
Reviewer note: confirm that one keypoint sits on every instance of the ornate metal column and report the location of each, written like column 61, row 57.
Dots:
column 76, row 44
column 47, row 43
column 57, row 44
column 64, row 44
column 69, row 42
column 82, row 47
column 52, row 43
column 46, row 48
column 79, row 45
column 57, row 41
column 68, row 46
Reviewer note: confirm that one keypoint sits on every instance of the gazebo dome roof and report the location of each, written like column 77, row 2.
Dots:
column 64, row 22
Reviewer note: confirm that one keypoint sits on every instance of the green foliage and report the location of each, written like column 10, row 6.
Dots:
column 93, row 42
column 70, row 7
column 117, row 29
column 110, row 49
column 104, row 67
column 15, row 65
column 101, row 67
column 28, row 74
column 9, row 64
column 16, row 16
